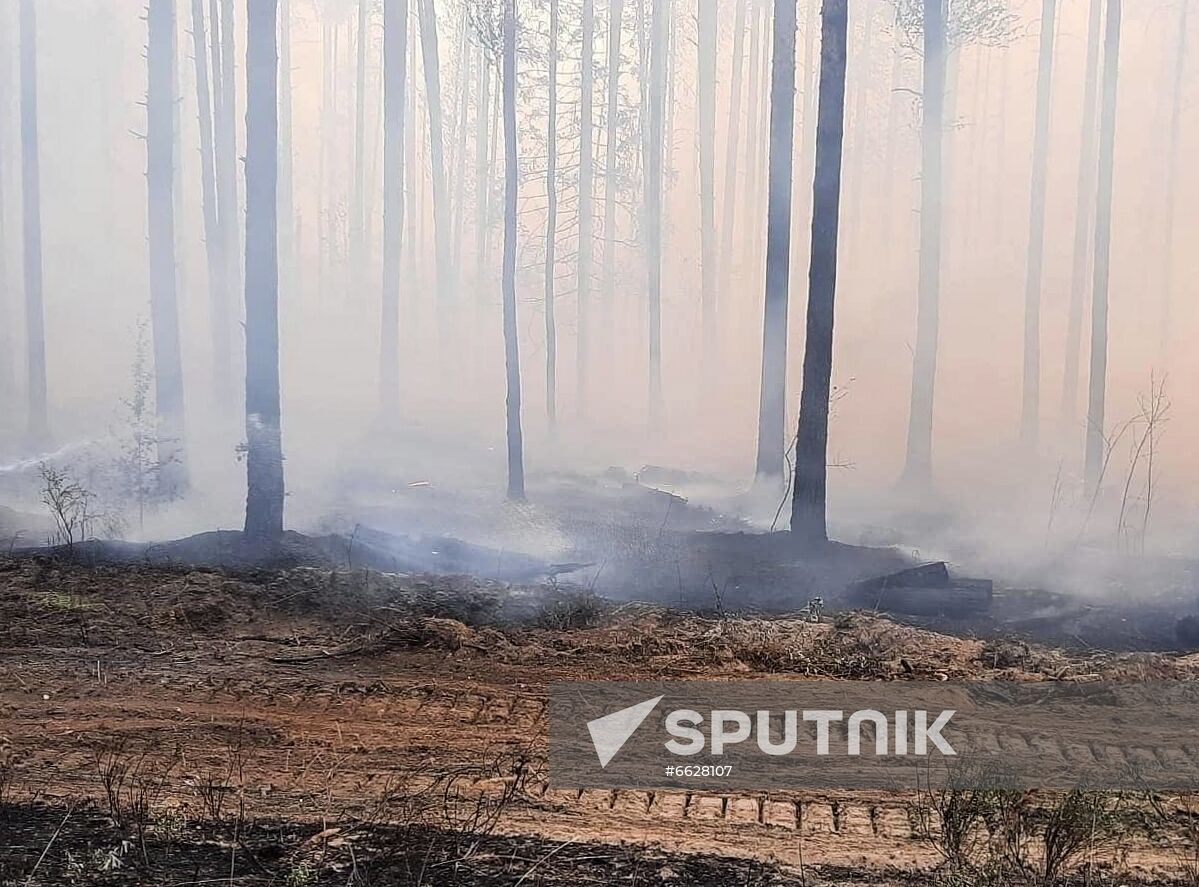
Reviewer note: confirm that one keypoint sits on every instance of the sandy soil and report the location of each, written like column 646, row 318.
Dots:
column 326, row 710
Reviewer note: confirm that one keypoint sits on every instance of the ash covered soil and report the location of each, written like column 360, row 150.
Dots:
column 167, row 725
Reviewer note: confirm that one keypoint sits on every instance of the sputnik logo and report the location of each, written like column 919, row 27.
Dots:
column 611, row 732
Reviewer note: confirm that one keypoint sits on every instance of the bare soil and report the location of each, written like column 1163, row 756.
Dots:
column 307, row 726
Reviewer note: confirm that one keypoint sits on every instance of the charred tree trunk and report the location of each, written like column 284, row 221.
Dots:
column 586, row 189
column 516, row 463
column 31, row 203
column 706, row 85
column 1030, row 413
column 1096, row 442
column 731, row 146
column 615, row 14
column 395, row 72
column 918, row 470
column 264, row 453
column 772, row 403
column 441, row 218
column 551, row 223
column 653, row 201
column 160, row 189
column 808, row 509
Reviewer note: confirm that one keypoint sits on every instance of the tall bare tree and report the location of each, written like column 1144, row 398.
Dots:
column 918, row 470
column 264, row 445
column 551, row 223
column 395, row 73
column 772, row 403
column 516, row 458
column 1030, row 413
column 731, row 146
column 808, row 503
column 586, row 190
column 706, row 88
column 287, row 203
column 160, row 190
column 1171, row 172
column 611, row 178
column 1096, row 402
column 31, row 203
column 441, row 214
column 1083, row 212
column 228, row 206
column 656, row 98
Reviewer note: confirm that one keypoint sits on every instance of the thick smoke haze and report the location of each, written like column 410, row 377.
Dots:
column 344, row 457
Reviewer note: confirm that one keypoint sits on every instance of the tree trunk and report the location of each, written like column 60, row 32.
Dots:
column 860, row 140
column 706, row 87
column 264, row 455
column 7, row 368
column 808, row 524
column 395, row 50
column 160, row 188
column 586, row 189
column 731, row 146
column 217, row 296
column 441, row 219
column 31, row 203
column 516, row 467
column 772, row 404
column 464, row 78
column 287, row 206
column 893, row 135
column 615, row 15
column 653, row 201
column 1172, row 181
column 753, row 138
column 228, row 209
column 482, row 179
column 358, row 248
column 918, row 470
column 1096, row 442
column 551, row 222
column 1030, row 413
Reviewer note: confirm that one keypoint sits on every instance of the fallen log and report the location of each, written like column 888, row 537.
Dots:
column 926, row 590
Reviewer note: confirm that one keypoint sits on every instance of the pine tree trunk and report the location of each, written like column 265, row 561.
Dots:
column 441, row 218
column 731, row 146
column 918, row 470
column 611, row 182
column 551, row 223
column 808, row 504
column 7, row 368
column 217, row 297
column 772, row 403
column 1030, row 413
column 358, row 248
column 31, row 203
column 586, row 189
column 893, row 135
column 160, row 188
column 482, row 179
column 653, row 201
column 1172, row 152
column 264, row 455
column 287, row 206
column 753, row 147
column 228, row 208
column 1096, row 402
column 459, row 203
column 706, row 87
column 516, row 470
column 395, row 50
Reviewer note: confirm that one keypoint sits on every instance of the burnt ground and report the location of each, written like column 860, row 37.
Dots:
column 167, row 725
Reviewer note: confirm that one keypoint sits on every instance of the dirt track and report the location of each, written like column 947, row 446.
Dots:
column 248, row 691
